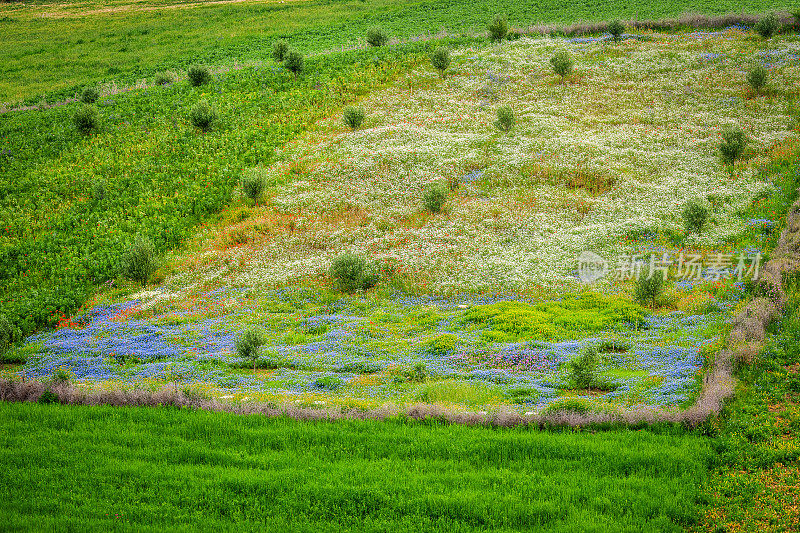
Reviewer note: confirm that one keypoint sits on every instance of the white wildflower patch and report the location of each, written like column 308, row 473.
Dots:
column 620, row 145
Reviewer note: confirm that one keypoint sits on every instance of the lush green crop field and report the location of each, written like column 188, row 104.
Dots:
column 52, row 48
column 99, row 468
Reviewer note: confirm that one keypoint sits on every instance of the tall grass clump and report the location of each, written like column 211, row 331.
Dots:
column 164, row 78
column 376, row 36
column 203, row 116
column 505, row 118
column 294, row 62
column 757, row 78
column 351, row 273
column 440, row 59
column 734, row 141
column 695, row 216
column 353, row 117
column 248, row 345
column 562, row 63
column 616, row 28
column 279, row 49
column 498, row 28
column 89, row 95
column 253, row 186
column 768, row 25
column 198, row 75
column 648, row 288
column 434, row 196
column 139, row 261
column 86, row 119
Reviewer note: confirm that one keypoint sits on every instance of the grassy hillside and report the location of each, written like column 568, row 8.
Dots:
column 53, row 48
column 140, row 469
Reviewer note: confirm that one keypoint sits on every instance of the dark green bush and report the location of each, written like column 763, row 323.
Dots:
column 768, row 25
column 434, row 196
column 498, row 28
column 353, row 117
column 249, row 344
column 416, row 374
column 505, row 118
column 139, row 261
column 60, row 376
column 279, row 49
column 48, row 397
column 616, row 28
column 198, row 75
column 294, row 62
column 647, row 289
column 440, row 59
column 253, row 186
column 376, row 36
column 757, row 78
column 203, row 116
column 734, row 141
column 86, row 119
column 89, row 95
column 562, row 63
column 352, row 272
column 695, row 216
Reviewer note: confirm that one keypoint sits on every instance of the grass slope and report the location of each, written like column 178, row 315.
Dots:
column 55, row 48
column 99, row 468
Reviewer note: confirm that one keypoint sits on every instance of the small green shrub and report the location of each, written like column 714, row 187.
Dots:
column 455, row 392
column 352, row 272
column 330, row 383
column 616, row 28
column 198, row 75
column 440, row 59
column 695, row 215
column 648, row 289
column 513, row 36
column 353, row 117
column 734, row 141
column 89, row 95
column 139, row 262
column 203, row 116
column 86, row 119
column 279, row 49
column 562, row 63
column 249, row 344
column 583, row 373
column 498, row 28
column 757, row 78
column 253, row 186
column 505, row 118
column 164, row 78
column 376, row 36
column 768, row 25
column 294, row 62
column 434, row 196
column 48, row 397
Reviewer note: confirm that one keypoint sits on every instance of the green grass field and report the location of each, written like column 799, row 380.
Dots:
column 140, row 469
column 52, row 49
